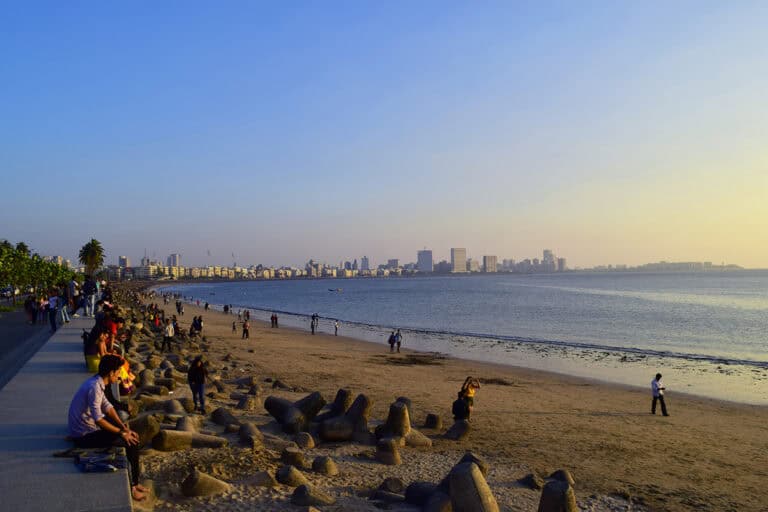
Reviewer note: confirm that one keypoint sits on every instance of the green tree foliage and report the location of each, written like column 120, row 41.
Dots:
column 19, row 269
column 92, row 256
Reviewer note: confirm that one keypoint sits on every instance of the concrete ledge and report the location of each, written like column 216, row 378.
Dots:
column 33, row 425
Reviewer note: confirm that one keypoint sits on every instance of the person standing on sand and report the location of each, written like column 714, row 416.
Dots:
column 391, row 342
column 398, row 340
column 312, row 325
column 246, row 330
column 276, row 324
column 657, row 390
column 234, row 327
column 336, row 328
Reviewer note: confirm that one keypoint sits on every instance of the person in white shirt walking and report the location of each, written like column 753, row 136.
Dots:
column 657, row 389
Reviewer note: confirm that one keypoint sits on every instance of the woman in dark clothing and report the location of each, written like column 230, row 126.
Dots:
column 196, row 377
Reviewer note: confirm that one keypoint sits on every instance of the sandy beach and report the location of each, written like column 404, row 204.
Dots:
column 705, row 456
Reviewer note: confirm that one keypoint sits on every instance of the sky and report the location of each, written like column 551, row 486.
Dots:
column 608, row 132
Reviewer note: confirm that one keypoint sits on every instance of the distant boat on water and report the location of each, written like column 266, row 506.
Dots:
column 335, row 290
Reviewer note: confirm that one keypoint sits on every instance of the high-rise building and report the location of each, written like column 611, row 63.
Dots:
column 458, row 259
column 124, row 262
column 548, row 262
column 365, row 264
column 473, row 265
column 561, row 266
column 174, row 260
column 424, row 261
column 489, row 263
column 393, row 263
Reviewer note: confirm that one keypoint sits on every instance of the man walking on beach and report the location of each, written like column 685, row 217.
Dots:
column 336, row 328
column 657, row 389
column 246, row 330
column 398, row 340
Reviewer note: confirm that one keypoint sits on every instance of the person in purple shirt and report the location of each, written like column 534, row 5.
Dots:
column 94, row 423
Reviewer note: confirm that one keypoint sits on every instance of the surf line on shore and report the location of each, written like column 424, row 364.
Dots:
column 462, row 337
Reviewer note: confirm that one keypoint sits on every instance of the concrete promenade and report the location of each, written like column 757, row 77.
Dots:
column 33, row 425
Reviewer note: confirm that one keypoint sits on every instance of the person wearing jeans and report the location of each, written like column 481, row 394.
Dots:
column 94, row 423
column 196, row 377
column 63, row 313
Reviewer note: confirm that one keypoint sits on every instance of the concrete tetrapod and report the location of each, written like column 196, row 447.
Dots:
column 469, row 490
column 186, row 424
column 222, row 416
column 147, row 426
column 290, row 476
column 558, row 496
column 293, row 456
column 325, row 466
column 458, row 431
column 307, row 495
column 174, row 440
column 352, row 425
column 338, row 407
column 200, row 484
column 433, row 421
column 387, row 452
column 304, row 440
column 398, row 425
column 251, row 436
column 294, row 417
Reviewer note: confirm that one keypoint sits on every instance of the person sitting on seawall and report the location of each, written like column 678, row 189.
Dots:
column 95, row 347
column 94, row 423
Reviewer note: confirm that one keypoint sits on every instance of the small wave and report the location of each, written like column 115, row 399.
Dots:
column 530, row 340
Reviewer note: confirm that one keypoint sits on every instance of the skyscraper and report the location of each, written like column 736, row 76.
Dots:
column 424, row 261
column 458, row 259
column 393, row 263
column 364, row 264
column 489, row 263
column 174, row 260
column 124, row 262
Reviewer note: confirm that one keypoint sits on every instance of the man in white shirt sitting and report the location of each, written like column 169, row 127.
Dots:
column 657, row 389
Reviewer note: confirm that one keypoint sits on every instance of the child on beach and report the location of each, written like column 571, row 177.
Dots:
column 234, row 327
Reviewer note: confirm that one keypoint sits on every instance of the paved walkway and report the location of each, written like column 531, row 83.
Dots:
column 33, row 425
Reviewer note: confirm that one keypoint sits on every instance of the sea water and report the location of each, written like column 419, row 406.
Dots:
column 706, row 332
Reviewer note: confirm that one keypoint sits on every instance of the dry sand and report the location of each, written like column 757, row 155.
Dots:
column 708, row 455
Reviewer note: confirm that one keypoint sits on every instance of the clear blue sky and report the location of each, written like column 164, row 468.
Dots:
column 610, row 132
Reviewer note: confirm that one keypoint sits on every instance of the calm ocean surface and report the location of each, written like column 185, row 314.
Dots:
column 709, row 329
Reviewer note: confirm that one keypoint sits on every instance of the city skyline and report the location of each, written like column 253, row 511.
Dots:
column 612, row 133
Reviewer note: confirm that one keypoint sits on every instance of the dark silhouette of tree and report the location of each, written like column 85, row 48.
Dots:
column 92, row 256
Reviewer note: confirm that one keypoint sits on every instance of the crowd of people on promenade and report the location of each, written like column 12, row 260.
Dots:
column 58, row 305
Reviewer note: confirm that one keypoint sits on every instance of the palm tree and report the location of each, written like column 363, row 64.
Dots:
column 92, row 256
